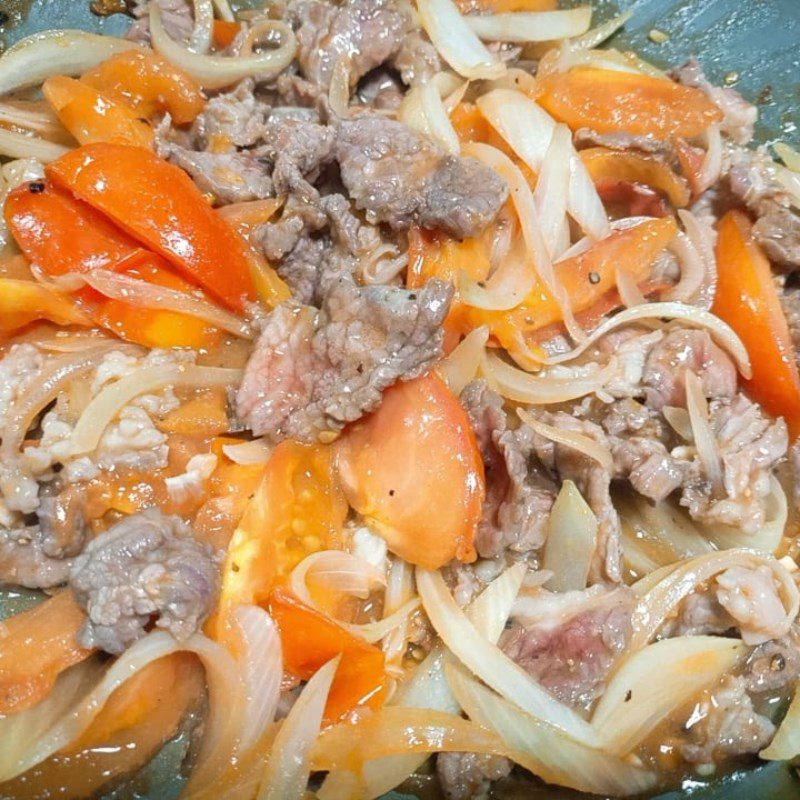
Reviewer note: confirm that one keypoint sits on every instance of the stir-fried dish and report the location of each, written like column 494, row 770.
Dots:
column 392, row 389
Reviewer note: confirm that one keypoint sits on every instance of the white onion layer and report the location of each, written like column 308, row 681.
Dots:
column 531, row 26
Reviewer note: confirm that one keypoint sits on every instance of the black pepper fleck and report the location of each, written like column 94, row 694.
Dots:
column 628, row 695
column 412, row 296
column 3, row 17
column 594, row 277
column 391, row 492
column 36, row 187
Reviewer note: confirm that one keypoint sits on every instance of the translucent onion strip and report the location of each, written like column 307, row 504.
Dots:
column 786, row 743
column 224, row 10
column 374, row 632
column 147, row 295
column 256, row 451
column 41, row 121
column 286, row 775
column 106, row 405
column 557, row 758
column 203, row 12
column 422, row 109
column 704, row 440
column 462, row 363
column 689, row 315
column 629, row 292
column 661, row 593
column 20, row 145
column 456, row 42
column 712, row 161
column 576, row 441
column 552, row 189
column 490, row 664
column 596, row 36
column 693, row 271
column 216, row 72
column 531, row 26
column 633, row 703
column 65, row 52
column 336, row 570
column 399, row 590
column 542, row 389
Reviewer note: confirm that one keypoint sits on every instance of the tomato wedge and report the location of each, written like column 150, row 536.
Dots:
column 158, row 204
column 416, row 453
column 90, row 116
column 620, row 102
column 748, row 301
column 149, row 84
column 309, row 640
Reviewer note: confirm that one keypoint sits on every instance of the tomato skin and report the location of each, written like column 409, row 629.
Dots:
column 619, row 102
column 309, row 640
column 149, row 84
column 159, row 205
column 416, row 453
column 748, row 301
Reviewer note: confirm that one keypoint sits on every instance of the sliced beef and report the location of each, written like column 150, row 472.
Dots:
column 681, row 350
column 750, row 445
column 739, row 116
column 594, row 482
column 176, row 16
column 699, row 614
column 727, row 725
column 569, row 642
column 229, row 177
column 147, row 564
column 366, row 32
column 235, row 118
column 586, row 137
column 468, row 776
column 777, row 230
column 23, row 561
column 417, row 60
column 400, row 178
column 519, row 494
column 62, row 521
column 314, row 371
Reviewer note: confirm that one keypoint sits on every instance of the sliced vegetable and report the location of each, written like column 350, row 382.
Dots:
column 149, row 84
column 309, row 640
column 91, row 116
column 532, row 26
column 23, row 302
column 622, row 102
column 224, row 33
column 748, row 301
column 297, row 509
column 501, row 6
column 416, row 452
column 606, row 165
column 38, row 645
column 159, row 204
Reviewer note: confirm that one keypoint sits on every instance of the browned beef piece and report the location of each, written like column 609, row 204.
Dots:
column 417, row 60
column 62, row 520
column 586, row 137
column 147, row 564
column 681, row 350
column 175, row 14
column 519, row 495
column 367, row 32
column 23, row 561
column 730, row 725
column 790, row 303
column 400, row 178
column 314, row 371
column 229, row 177
column 237, row 117
column 778, row 232
column 571, row 648
column 739, row 116
column 468, row 776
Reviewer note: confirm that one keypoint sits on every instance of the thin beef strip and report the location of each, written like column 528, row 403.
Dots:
column 314, row 371
column 235, row 118
column 401, row 178
column 570, row 641
column 365, row 32
column 773, row 666
column 144, row 565
column 519, row 494
column 23, row 561
column 468, row 776
column 175, row 14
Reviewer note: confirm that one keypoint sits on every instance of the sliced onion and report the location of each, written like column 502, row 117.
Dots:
column 788, row 155
column 399, row 590
column 552, row 189
column 629, row 291
column 490, row 610
column 557, row 758
column 147, row 295
column 661, row 593
column 531, row 26
column 43, row 122
column 704, row 440
column 678, row 418
column 374, row 632
column 262, row 672
column 106, row 405
column 599, row 34
column 337, row 570
column 528, row 129
column 689, row 315
column 456, row 42
column 55, row 376
column 700, row 237
column 21, row 145
column 224, row 10
column 464, row 360
column 65, row 52
column 422, row 110
column 693, row 273
column 522, row 387
column 712, row 161
column 576, row 441
column 490, row 664
column 286, row 775
column 191, row 483
column 257, row 451
column 633, row 703
column 571, row 541
column 216, row 72
column 786, row 743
